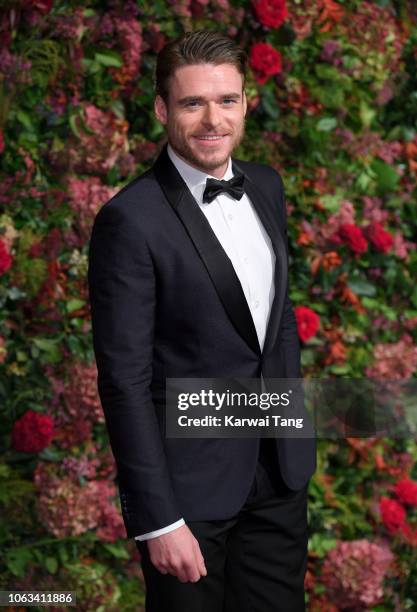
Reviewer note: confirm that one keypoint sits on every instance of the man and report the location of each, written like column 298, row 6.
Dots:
column 188, row 278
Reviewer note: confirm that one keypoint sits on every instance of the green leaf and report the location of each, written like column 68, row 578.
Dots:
column 50, row 349
column 63, row 554
column 45, row 344
column 408, row 314
column 326, row 124
column 363, row 181
column 118, row 108
column 24, row 119
column 327, row 72
column 51, row 564
column 362, row 287
column 330, row 202
column 73, row 124
column 51, row 454
column 17, row 559
column 117, row 550
column 387, row 178
column 371, row 304
column 14, row 293
column 414, row 296
column 91, row 66
column 366, row 114
column 74, row 304
column 109, row 58
column 269, row 104
column 331, row 96
column 340, row 369
column 321, row 544
column 4, row 470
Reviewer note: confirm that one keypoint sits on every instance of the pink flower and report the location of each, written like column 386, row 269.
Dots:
column 394, row 361
column 76, row 398
column 401, row 246
column 68, row 507
column 100, row 144
column 86, row 196
column 353, row 574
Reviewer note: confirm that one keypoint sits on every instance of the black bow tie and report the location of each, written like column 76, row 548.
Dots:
column 234, row 187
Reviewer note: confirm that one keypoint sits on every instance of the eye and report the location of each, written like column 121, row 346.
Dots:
column 192, row 103
column 230, row 100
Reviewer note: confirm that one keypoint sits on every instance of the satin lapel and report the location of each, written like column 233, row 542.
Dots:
column 269, row 220
column 218, row 264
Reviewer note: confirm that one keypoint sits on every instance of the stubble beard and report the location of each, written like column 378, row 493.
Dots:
column 180, row 145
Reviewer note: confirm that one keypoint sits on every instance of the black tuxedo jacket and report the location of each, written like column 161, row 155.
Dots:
column 166, row 302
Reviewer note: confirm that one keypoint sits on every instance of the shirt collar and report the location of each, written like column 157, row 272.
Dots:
column 195, row 179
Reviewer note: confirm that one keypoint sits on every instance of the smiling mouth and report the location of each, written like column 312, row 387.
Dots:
column 210, row 137
column 210, row 140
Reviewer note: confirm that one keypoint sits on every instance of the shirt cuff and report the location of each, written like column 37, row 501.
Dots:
column 158, row 532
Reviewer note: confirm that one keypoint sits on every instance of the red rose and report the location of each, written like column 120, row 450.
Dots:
column 392, row 513
column 308, row 322
column 265, row 61
column 352, row 235
column 380, row 238
column 32, row 432
column 5, row 258
column 270, row 13
column 406, row 491
column 410, row 534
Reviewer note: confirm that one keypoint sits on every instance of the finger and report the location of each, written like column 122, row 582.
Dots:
column 201, row 566
column 189, row 571
column 193, row 571
column 159, row 565
column 182, row 575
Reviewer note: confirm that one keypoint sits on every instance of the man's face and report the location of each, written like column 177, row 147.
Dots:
column 204, row 100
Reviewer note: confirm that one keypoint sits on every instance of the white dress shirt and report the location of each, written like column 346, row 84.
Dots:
column 247, row 245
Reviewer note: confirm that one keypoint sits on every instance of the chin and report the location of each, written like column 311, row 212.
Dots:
column 212, row 161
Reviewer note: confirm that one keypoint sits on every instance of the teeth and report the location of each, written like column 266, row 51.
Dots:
column 209, row 137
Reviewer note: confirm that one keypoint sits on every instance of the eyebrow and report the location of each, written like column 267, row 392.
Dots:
column 233, row 94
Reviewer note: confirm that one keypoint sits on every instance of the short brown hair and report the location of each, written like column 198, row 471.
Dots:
column 197, row 47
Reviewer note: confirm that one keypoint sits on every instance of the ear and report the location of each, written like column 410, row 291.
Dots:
column 245, row 103
column 161, row 110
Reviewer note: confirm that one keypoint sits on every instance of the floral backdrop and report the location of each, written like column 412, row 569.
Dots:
column 332, row 92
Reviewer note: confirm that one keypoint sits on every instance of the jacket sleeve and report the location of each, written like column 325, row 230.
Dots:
column 121, row 284
column 288, row 332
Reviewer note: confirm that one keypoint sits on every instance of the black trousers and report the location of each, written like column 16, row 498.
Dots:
column 256, row 561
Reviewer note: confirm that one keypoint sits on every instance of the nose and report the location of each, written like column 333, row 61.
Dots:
column 211, row 117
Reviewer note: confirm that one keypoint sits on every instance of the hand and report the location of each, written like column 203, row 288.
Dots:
column 178, row 553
